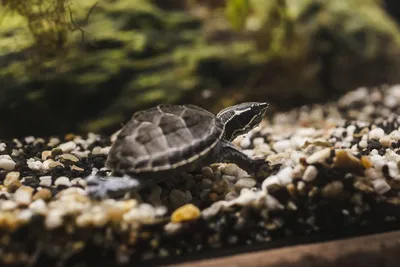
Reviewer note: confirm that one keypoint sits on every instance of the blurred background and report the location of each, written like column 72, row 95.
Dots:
column 87, row 65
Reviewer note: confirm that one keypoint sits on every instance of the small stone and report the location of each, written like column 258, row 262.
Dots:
column 12, row 181
column 3, row 147
column 207, row 172
column 68, row 157
column 96, row 150
column 245, row 183
column 332, row 190
column 231, row 196
column 54, row 219
column 346, row 160
column 245, row 142
column 105, row 150
column 35, row 165
column 56, row 152
column 282, row 145
column 231, row 169
column 8, row 205
column 363, row 144
column 366, row 162
column 221, row 186
column 49, row 164
column 179, row 198
column 206, row 184
column 230, row 178
column 319, row 156
column 38, row 206
column 53, row 142
column 7, row 163
column 385, row 141
column 376, row 133
column 258, row 141
column 29, row 139
column 23, row 196
column 143, row 213
column 76, row 168
column 67, row 147
column 44, row 194
column 46, row 154
column 64, row 181
column 45, row 181
column 380, row 186
column 188, row 212
column 310, row 173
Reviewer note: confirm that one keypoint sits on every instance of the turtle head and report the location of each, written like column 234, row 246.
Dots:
column 241, row 118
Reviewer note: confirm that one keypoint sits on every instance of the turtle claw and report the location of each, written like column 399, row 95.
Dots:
column 105, row 187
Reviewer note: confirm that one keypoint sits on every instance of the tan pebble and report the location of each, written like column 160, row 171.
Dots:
column 333, row 189
column 231, row 169
column 385, row 141
column 220, row 186
column 8, row 205
column 187, row 212
column 44, row 194
column 54, row 219
column 291, row 188
column 319, row 156
column 46, row 154
column 363, row 186
column 23, row 196
column 346, row 159
column 49, row 163
column 12, row 181
column 69, row 157
column 366, row 162
column 76, row 168
column 8, row 221
column 69, row 136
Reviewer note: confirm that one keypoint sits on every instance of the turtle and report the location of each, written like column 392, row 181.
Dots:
column 171, row 139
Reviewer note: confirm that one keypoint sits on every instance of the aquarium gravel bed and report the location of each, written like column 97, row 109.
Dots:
column 332, row 168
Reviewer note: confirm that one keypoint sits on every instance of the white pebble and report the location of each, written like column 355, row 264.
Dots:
column 376, row 133
column 45, row 181
column 96, row 150
column 285, row 175
column 63, row 181
column 144, row 213
column 54, row 219
column 7, row 205
column 281, row 145
column 53, row 142
column 245, row 142
column 105, row 150
column 381, row 186
column 35, row 165
column 363, row 144
column 7, row 163
column 38, row 206
column 310, row 173
column 23, row 195
column 25, row 216
column 2, row 146
column 273, row 179
column 272, row 203
column 67, row 147
column 319, row 156
column 258, row 141
column 245, row 183
column 29, row 139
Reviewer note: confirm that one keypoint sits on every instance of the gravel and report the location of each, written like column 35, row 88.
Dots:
column 330, row 166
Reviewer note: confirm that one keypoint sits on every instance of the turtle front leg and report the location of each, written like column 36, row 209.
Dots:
column 113, row 186
column 227, row 152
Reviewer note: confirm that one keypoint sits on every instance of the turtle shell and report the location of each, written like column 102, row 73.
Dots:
column 164, row 138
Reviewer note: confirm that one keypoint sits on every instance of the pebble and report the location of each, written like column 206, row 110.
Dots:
column 220, row 186
column 188, row 212
column 231, row 169
column 208, row 172
column 6, row 163
column 12, row 180
column 96, row 150
column 258, row 141
column 46, row 154
column 245, row 183
column 310, row 173
column 35, row 165
column 69, row 157
column 206, row 184
column 3, row 147
column 282, row 145
column 143, row 213
column 319, row 156
column 376, row 133
column 179, row 198
column 54, row 219
column 38, row 206
column 8, row 205
column 380, row 186
column 64, row 181
column 43, row 193
column 245, row 142
column 67, row 147
column 385, row 141
column 363, row 144
column 45, row 181
column 332, row 190
column 230, row 178
column 23, row 196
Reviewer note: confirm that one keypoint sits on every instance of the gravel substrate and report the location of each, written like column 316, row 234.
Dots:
column 331, row 167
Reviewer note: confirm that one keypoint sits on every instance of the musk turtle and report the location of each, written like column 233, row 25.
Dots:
column 170, row 139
